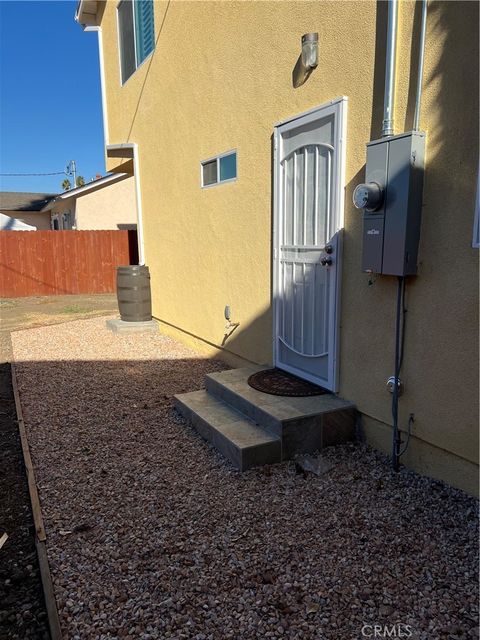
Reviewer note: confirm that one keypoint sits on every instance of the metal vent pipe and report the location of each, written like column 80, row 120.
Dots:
column 390, row 67
column 421, row 59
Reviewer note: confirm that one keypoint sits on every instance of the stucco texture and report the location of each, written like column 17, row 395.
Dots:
column 219, row 79
column 110, row 207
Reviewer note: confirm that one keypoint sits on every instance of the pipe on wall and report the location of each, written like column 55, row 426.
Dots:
column 130, row 150
column 98, row 30
column 138, row 194
column 390, row 68
column 421, row 59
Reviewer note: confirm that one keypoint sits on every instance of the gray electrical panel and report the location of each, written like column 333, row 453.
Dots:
column 392, row 201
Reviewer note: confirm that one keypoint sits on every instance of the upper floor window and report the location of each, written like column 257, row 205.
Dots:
column 136, row 34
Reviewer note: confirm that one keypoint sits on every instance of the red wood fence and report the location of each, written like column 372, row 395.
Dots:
column 36, row 263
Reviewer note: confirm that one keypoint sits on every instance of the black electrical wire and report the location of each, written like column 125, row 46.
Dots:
column 404, row 316
column 396, row 441
column 54, row 173
column 411, row 420
column 401, row 315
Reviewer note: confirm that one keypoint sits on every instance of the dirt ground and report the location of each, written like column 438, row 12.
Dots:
column 22, row 608
column 25, row 313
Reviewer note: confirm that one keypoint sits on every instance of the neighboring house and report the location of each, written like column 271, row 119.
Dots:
column 245, row 168
column 24, row 211
column 106, row 203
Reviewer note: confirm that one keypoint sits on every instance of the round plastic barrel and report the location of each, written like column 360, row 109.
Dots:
column 133, row 293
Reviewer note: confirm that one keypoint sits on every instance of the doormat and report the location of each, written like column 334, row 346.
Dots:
column 280, row 383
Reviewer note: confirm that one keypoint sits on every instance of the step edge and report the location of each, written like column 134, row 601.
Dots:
column 233, row 393
column 263, row 409
column 327, row 412
column 272, row 437
column 239, row 459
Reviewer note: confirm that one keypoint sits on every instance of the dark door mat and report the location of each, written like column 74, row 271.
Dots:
column 280, row 383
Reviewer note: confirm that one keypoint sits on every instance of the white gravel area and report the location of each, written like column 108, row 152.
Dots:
column 153, row 535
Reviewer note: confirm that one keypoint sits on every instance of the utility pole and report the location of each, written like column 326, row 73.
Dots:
column 72, row 171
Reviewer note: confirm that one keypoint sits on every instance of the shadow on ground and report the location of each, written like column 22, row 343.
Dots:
column 149, row 531
column 22, row 607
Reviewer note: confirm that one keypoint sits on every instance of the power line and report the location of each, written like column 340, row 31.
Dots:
column 54, row 173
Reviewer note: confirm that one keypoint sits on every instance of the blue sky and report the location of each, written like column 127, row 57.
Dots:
column 50, row 101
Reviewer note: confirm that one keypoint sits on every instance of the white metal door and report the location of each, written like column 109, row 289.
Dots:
column 309, row 184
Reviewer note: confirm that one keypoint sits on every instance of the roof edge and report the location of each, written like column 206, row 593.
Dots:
column 86, row 13
column 90, row 186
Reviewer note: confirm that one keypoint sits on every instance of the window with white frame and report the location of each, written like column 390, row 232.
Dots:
column 136, row 34
column 222, row 168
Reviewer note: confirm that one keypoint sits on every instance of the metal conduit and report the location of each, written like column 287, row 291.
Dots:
column 421, row 59
column 390, row 67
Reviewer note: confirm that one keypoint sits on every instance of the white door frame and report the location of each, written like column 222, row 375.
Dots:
column 338, row 108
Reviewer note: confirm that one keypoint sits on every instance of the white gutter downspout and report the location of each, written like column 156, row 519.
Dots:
column 130, row 150
column 138, row 194
column 102, row 81
column 390, row 68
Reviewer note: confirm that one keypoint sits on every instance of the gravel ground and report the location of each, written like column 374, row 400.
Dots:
column 152, row 535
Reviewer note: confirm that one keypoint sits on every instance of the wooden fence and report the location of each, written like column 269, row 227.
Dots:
column 37, row 263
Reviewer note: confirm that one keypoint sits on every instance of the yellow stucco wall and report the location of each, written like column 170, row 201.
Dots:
column 219, row 79
column 110, row 207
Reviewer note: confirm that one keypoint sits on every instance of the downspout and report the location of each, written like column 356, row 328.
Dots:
column 390, row 68
column 102, row 81
column 130, row 150
column 421, row 59
column 138, row 197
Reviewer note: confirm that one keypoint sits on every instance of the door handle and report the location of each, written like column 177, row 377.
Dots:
column 326, row 261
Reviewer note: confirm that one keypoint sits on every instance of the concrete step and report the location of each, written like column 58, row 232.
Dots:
column 236, row 437
column 304, row 425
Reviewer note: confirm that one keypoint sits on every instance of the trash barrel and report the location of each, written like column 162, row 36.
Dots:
column 133, row 293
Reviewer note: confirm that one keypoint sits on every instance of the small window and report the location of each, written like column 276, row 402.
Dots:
column 136, row 34
column 220, row 169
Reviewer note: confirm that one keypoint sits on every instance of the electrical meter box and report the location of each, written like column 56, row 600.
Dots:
column 392, row 202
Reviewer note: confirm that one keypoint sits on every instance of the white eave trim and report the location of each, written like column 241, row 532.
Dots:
column 124, row 150
column 86, row 13
column 86, row 188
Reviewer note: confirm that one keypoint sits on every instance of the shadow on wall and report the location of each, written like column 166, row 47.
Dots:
column 454, row 28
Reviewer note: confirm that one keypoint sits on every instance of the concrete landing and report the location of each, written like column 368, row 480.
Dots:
column 120, row 326
column 283, row 426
